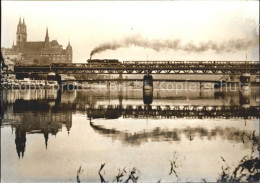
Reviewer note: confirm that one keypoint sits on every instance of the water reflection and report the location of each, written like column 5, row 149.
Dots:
column 45, row 123
column 148, row 96
column 134, row 119
column 158, row 134
column 101, row 107
column 176, row 111
column 46, row 115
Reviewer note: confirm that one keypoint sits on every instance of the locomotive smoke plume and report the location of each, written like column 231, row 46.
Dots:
column 175, row 44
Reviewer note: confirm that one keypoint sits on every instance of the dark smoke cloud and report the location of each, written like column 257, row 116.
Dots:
column 175, row 44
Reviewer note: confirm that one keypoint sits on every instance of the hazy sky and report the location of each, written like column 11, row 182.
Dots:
column 89, row 24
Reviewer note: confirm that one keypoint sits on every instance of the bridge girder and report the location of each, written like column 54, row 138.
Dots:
column 187, row 68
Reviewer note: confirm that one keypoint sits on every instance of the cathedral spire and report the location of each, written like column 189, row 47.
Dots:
column 21, row 35
column 46, row 137
column 47, row 35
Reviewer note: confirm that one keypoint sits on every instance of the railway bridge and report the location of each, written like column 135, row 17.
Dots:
column 148, row 67
column 244, row 69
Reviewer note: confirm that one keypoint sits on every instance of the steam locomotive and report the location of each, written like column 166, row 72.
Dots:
column 104, row 61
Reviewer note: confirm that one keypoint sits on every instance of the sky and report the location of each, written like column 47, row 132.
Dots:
column 144, row 24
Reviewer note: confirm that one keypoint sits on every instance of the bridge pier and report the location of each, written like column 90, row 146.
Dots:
column 120, row 98
column 233, row 81
column 120, row 81
column 148, row 82
column 245, row 82
column 244, row 99
column 120, row 76
column 58, row 99
column 46, row 79
column 201, row 86
column 58, row 79
column 201, row 89
column 108, row 84
column 148, row 97
column 220, row 84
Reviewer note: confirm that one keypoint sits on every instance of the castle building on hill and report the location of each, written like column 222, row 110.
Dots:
column 36, row 52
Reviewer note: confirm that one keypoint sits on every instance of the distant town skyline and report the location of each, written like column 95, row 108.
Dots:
column 45, row 51
column 88, row 25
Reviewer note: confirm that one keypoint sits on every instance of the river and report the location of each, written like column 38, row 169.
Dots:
column 166, row 136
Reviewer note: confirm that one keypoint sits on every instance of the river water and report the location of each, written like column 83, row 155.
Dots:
column 167, row 136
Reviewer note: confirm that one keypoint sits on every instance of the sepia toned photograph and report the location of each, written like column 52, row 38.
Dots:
column 130, row 91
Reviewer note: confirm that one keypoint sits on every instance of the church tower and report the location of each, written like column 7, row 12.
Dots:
column 47, row 36
column 20, row 141
column 21, row 34
column 46, row 41
column 69, row 53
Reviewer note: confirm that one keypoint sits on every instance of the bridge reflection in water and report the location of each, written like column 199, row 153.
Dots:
column 148, row 116
column 48, row 114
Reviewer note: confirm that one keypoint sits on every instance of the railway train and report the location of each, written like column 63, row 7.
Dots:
column 91, row 63
column 184, row 64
